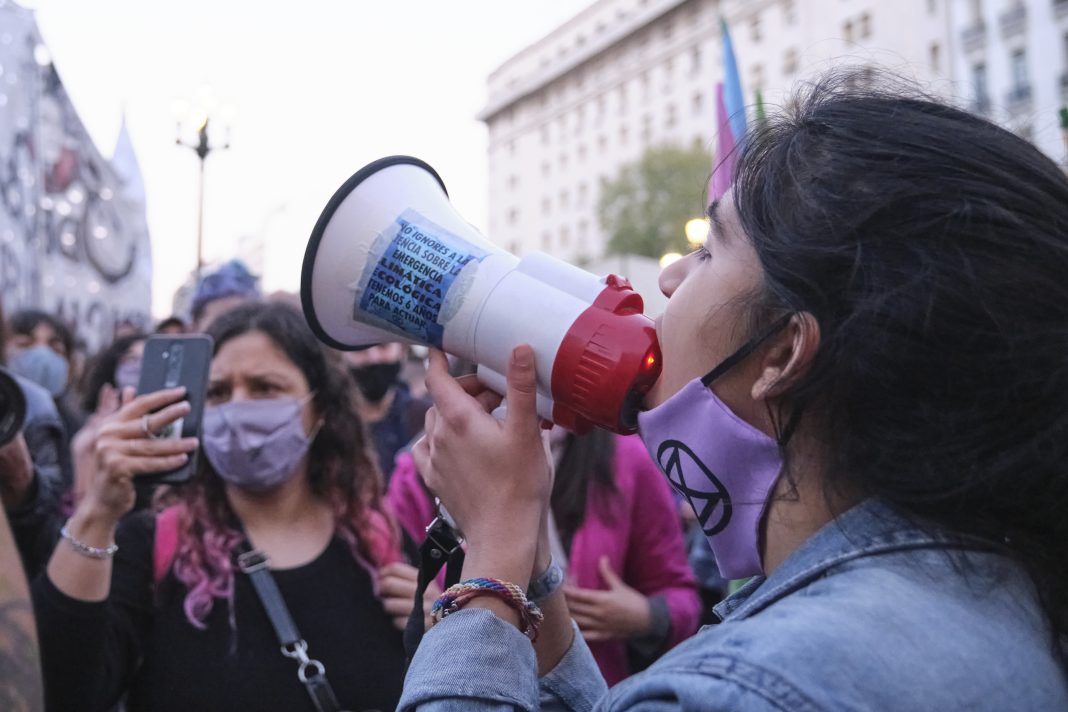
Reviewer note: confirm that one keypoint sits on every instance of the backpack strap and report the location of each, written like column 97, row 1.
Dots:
column 166, row 542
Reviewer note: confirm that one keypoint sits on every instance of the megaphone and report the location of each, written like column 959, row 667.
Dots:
column 390, row 259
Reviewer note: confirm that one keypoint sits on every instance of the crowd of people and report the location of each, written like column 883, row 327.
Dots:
column 852, row 466
column 140, row 592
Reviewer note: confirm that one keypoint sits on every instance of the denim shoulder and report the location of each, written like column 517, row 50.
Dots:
column 909, row 630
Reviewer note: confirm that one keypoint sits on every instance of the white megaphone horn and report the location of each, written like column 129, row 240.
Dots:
column 390, row 259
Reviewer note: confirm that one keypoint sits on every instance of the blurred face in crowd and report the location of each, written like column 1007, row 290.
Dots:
column 42, row 335
column 252, row 367
column 705, row 318
column 375, row 370
column 41, row 356
column 128, row 369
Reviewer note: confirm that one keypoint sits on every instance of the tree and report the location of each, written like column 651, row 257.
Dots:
column 644, row 209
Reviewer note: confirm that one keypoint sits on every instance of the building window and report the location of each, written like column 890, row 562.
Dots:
column 644, row 81
column 847, row 31
column 697, row 103
column 582, row 194
column 789, row 16
column 622, row 94
column 600, row 108
column 934, row 53
column 695, row 59
column 602, row 143
column 789, row 62
column 758, row 77
column 754, row 28
column 511, row 148
column 623, row 136
column 580, row 115
column 513, row 216
column 582, row 154
column 564, row 200
column 669, row 116
column 865, row 26
column 565, row 237
column 979, row 90
column 546, row 205
column 546, row 241
column 647, row 128
column 669, row 30
column 563, row 162
column 1019, row 71
column 513, row 182
column 932, row 6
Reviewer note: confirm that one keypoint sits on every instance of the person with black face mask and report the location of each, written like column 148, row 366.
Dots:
column 393, row 415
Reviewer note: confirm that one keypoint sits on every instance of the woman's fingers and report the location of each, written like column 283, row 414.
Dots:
column 142, row 405
column 522, row 394
column 149, row 465
column 155, row 422
column 397, row 607
column 144, row 447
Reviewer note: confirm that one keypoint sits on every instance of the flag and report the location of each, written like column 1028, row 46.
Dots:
column 761, row 118
column 732, row 84
column 723, row 162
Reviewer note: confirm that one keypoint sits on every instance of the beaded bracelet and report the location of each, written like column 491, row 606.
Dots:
column 458, row 596
column 93, row 552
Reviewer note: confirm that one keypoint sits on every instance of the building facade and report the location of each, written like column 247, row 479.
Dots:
column 1011, row 59
column 565, row 113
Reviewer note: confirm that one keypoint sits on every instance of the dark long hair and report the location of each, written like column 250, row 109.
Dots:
column 932, row 248
column 585, row 473
column 341, row 470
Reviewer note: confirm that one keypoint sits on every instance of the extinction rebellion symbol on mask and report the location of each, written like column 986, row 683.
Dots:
column 690, row 477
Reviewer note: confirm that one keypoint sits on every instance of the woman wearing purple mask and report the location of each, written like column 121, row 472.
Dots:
column 163, row 608
column 863, row 399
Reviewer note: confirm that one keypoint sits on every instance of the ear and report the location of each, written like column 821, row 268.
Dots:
column 787, row 356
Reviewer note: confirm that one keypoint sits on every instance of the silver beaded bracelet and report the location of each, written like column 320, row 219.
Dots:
column 547, row 583
column 93, row 552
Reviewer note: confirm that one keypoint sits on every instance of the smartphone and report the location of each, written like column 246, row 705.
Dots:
column 170, row 361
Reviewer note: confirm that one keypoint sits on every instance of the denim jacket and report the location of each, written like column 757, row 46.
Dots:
column 871, row 613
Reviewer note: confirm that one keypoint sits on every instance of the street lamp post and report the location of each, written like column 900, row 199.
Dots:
column 203, row 148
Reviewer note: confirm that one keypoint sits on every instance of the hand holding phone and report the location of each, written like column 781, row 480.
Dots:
column 170, row 361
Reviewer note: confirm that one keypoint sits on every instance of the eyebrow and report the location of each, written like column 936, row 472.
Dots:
column 715, row 219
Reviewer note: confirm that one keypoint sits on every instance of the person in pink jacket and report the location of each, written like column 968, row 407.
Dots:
column 630, row 587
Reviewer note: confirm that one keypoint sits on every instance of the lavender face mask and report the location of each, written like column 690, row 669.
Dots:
column 724, row 466
column 255, row 444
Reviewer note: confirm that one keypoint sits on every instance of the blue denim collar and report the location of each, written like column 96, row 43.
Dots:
column 871, row 527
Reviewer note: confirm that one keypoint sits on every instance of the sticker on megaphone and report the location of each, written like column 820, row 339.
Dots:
column 391, row 259
column 415, row 279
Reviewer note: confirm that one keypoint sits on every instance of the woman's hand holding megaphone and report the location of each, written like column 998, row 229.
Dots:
column 492, row 475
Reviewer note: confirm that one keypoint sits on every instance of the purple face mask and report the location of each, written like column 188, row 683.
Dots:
column 255, row 445
column 128, row 373
column 724, row 466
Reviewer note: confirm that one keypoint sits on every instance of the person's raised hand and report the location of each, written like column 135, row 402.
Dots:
column 125, row 447
column 492, row 475
column 16, row 472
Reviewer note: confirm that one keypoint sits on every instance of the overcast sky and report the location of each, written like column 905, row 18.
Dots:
column 316, row 89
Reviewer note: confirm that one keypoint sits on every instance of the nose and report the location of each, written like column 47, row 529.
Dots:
column 672, row 275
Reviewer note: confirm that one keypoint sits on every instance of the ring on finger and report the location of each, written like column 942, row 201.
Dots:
column 147, row 430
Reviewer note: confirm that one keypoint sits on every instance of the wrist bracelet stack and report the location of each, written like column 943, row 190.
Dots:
column 93, row 552
column 458, row 596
